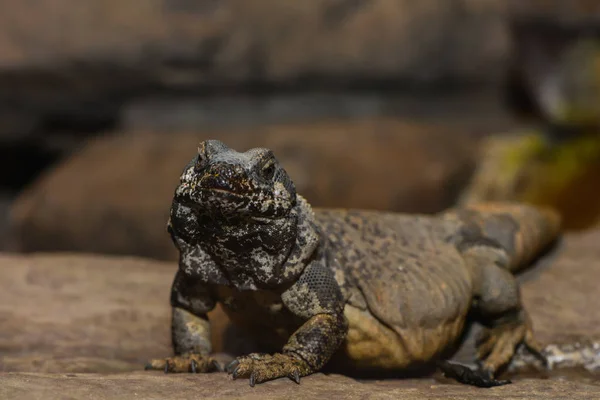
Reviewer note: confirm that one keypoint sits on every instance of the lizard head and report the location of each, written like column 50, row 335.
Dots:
column 224, row 183
column 241, row 211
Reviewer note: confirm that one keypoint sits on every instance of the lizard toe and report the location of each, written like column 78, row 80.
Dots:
column 194, row 363
column 259, row 368
column 479, row 377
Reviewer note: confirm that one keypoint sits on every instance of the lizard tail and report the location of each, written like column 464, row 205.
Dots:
column 524, row 231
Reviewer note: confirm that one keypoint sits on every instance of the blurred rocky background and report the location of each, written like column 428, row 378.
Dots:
column 403, row 105
column 79, row 79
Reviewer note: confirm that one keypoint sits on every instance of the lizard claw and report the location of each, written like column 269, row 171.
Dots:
column 260, row 368
column 295, row 376
column 189, row 363
column 215, row 364
column 463, row 374
column 231, row 366
column 235, row 372
column 536, row 349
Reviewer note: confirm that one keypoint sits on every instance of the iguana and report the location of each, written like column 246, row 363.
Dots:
column 360, row 290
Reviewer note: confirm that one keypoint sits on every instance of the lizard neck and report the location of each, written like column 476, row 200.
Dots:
column 250, row 254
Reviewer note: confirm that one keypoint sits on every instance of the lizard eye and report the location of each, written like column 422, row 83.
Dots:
column 269, row 171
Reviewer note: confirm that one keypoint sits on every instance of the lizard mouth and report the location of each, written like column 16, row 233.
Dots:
column 207, row 196
column 231, row 199
column 220, row 191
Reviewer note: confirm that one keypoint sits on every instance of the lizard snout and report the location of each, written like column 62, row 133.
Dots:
column 224, row 177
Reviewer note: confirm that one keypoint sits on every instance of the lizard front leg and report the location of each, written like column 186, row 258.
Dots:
column 190, row 330
column 316, row 297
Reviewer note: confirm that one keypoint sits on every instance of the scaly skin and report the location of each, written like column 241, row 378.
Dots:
column 360, row 290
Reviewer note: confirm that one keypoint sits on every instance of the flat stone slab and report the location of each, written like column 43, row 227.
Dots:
column 156, row 385
column 93, row 314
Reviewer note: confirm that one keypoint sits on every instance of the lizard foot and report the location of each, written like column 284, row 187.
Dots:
column 264, row 367
column 461, row 373
column 194, row 363
column 496, row 346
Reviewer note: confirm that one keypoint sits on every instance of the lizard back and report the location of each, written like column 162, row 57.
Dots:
column 404, row 266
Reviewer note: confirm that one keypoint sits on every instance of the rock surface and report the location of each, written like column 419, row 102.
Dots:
column 114, row 195
column 557, row 12
column 182, row 42
column 63, row 59
column 156, row 385
column 93, row 314
column 66, row 64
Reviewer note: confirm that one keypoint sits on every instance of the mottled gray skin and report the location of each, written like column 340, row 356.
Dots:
column 361, row 290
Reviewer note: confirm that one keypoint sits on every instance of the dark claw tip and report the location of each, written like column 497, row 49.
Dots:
column 166, row 368
column 546, row 362
column 541, row 357
column 252, row 380
column 234, row 374
column 193, row 366
column 147, row 366
column 216, row 366
column 461, row 373
column 296, row 377
column 231, row 366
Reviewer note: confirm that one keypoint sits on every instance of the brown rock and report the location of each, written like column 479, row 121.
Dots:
column 561, row 292
column 553, row 59
column 181, row 42
column 218, row 386
column 557, row 12
column 64, row 313
column 114, row 195
column 65, row 65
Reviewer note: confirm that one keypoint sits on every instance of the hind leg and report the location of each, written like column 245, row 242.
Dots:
column 499, row 304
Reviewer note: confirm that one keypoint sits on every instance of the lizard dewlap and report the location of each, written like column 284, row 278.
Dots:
column 362, row 290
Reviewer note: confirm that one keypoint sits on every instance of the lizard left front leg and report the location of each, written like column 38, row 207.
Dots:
column 306, row 352
column 317, row 298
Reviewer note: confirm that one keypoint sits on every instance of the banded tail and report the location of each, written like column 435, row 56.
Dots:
column 524, row 231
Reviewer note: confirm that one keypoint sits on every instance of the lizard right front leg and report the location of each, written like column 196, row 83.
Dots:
column 190, row 329
column 191, row 344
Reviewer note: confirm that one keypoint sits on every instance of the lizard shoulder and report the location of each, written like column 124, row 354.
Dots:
column 315, row 292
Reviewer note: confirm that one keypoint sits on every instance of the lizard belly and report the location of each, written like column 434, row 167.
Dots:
column 372, row 345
